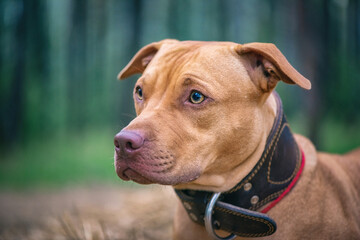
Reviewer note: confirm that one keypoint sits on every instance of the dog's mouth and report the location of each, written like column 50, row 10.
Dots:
column 143, row 170
column 130, row 174
column 148, row 172
column 127, row 173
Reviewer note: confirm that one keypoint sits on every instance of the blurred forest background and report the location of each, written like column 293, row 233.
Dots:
column 61, row 104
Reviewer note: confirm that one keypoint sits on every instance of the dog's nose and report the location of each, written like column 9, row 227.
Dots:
column 128, row 141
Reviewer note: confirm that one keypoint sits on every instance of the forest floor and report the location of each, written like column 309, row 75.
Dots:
column 92, row 213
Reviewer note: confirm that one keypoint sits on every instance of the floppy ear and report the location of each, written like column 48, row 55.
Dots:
column 267, row 65
column 141, row 59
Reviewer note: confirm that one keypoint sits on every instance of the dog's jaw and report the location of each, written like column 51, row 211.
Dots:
column 225, row 181
column 126, row 173
column 147, row 169
column 222, row 182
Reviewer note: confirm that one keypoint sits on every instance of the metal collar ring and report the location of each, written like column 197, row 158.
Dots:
column 208, row 219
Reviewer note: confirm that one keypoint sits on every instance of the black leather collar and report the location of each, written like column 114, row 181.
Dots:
column 236, row 210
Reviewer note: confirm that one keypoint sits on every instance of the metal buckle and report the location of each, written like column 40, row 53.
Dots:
column 208, row 219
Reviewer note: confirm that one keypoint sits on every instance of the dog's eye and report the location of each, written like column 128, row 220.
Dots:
column 139, row 93
column 196, row 97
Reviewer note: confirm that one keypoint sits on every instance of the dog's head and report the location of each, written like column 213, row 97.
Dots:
column 200, row 109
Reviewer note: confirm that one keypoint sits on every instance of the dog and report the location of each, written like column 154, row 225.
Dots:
column 210, row 124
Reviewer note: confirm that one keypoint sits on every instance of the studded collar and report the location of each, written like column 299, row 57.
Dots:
column 241, row 210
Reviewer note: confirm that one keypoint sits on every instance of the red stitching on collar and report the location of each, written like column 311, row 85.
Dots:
column 288, row 189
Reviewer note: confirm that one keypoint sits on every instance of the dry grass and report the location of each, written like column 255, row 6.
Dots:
column 105, row 213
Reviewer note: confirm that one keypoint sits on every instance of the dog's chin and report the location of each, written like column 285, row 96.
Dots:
column 130, row 174
column 141, row 176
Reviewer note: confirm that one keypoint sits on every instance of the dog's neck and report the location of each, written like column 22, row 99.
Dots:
column 275, row 173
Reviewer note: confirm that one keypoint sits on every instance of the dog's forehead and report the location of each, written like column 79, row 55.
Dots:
column 206, row 57
column 174, row 49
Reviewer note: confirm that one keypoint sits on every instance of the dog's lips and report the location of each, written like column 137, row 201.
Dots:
column 129, row 169
column 135, row 176
column 126, row 173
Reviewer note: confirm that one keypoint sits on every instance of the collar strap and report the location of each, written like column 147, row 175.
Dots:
column 271, row 179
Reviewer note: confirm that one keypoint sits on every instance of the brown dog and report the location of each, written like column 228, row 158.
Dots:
column 209, row 122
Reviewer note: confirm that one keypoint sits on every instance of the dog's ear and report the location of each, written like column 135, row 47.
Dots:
column 139, row 62
column 141, row 59
column 267, row 65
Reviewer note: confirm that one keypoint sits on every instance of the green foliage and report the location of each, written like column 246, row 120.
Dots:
column 338, row 137
column 75, row 159
column 59, row 61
